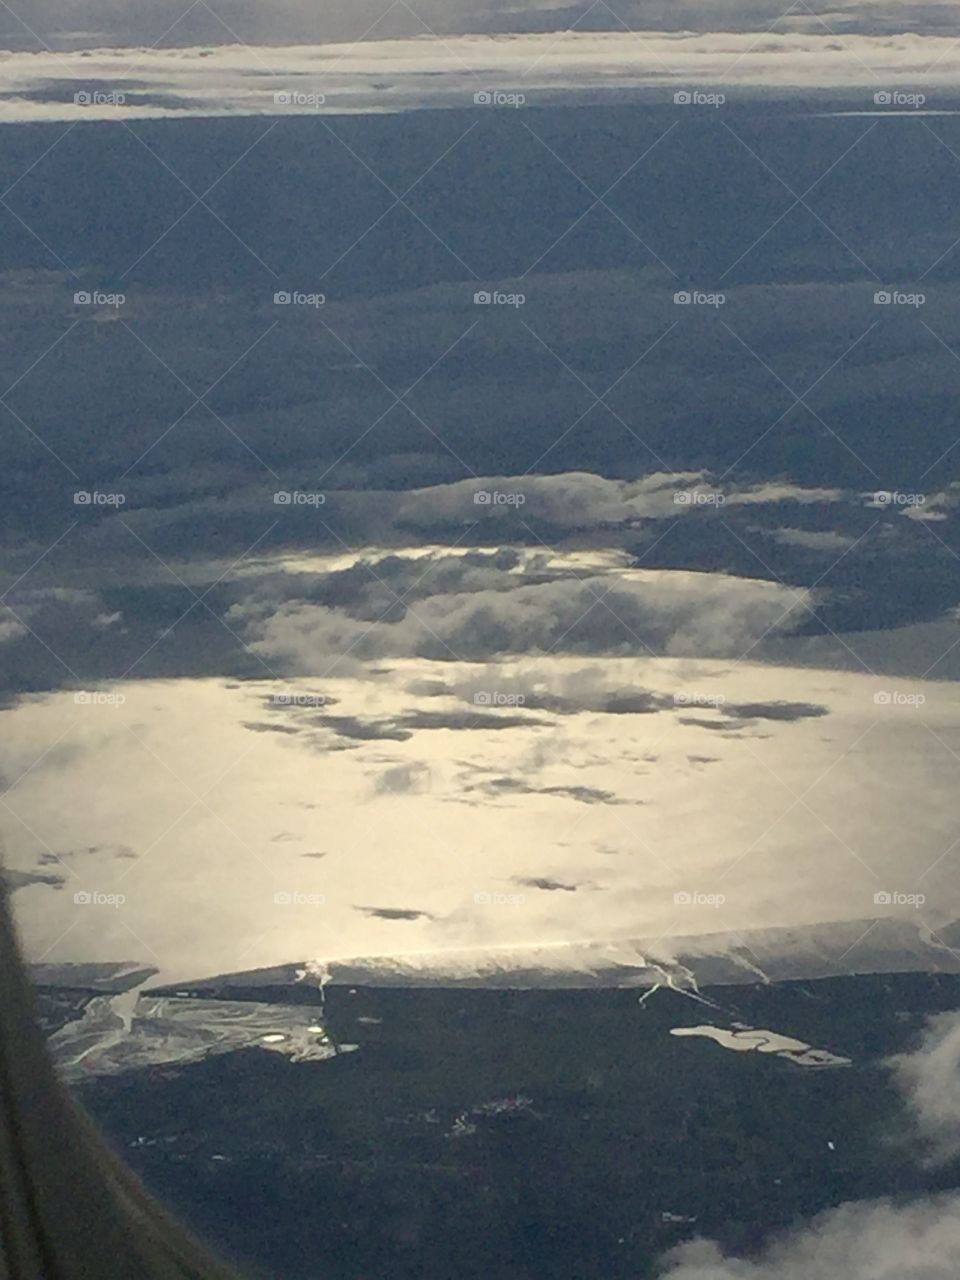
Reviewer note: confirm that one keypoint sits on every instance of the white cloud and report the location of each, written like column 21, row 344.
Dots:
column 398, row 74
column 873, row 1240
column 930, row 1081
column 483, row 612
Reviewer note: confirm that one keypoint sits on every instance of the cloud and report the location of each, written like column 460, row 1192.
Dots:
column 681, row 614
column 20, row 879
column 929, row 1079
column 545, row 883
column 394, row 913
column 776, row 710
column 234, row 78
column 402, row 779
column 872, row 1240
column 516, row 786
column 822, row 540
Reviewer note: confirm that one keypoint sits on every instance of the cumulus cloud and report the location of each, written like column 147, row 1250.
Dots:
column 929, row 1079
column 673, row 613
column 873, row 1240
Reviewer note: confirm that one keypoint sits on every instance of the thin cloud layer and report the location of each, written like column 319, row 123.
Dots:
column 407, row 73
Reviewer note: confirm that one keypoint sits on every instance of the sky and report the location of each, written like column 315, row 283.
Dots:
column 483, row 479
column 571, row 403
